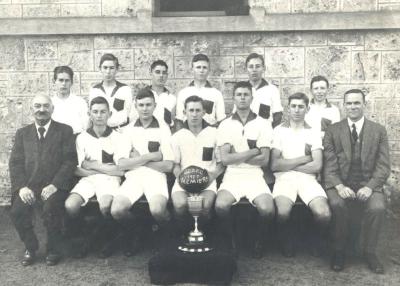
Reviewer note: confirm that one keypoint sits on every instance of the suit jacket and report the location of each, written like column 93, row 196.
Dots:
column 375, row 162
column 35, row 166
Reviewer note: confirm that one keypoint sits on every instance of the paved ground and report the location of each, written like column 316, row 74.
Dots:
column 119, row 270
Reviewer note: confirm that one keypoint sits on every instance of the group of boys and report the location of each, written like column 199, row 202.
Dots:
column 137, row 144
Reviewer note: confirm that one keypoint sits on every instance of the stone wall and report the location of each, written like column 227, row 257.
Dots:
column 369, row 60
column 129, row 8
column 366, row 59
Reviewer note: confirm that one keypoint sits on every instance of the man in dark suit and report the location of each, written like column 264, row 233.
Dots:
column 356, row 165
column 42, row 164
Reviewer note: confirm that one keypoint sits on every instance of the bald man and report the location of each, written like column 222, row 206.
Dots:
column 42, row 164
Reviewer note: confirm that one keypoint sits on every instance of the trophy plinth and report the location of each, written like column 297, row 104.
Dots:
column 195, row 240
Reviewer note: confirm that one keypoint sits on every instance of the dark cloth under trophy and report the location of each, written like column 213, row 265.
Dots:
column 194, row 179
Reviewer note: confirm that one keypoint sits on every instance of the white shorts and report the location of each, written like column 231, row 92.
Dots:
column 244, row 184
column 143, row 181
column 211, row 187
column 292, row 184
column 99, row 185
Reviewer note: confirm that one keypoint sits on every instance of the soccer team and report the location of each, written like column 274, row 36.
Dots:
column 120, row 149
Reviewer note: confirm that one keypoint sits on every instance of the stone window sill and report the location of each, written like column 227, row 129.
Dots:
column 146, row 24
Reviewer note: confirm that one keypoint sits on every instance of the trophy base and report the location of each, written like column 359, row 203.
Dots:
column 194, row 248
column 195, row 243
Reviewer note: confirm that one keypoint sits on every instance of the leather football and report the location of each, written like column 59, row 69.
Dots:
column 193, row 179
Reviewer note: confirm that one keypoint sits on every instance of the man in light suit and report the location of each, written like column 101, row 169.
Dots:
column 42, row 164
column 356, row 165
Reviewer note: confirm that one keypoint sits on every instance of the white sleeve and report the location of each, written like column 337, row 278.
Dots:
column 316, row 142
column 80, row 148
column 276, row 101
column 220, row 108
column 276, row 139
column 166, row 149
column 175, row 148
column 180, row 106
column 223, row 134
column 265, row 138
column 336, row 114
column 124, row 147
column 84, row 114
column 120, row 117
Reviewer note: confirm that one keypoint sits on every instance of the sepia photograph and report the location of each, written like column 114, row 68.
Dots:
column 212, row 142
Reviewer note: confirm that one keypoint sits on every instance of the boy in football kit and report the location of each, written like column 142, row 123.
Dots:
column 195, row 144
column 296, row 160
column 321, row 113
column 244, row 141
column 266, row 98
column 97, row 169
column 146, row 155
column 118, row 95
column 165, row 100
column 69, row 108
column 213, row 100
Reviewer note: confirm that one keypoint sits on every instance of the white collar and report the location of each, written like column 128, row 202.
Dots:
column 46, row 128
column 359, row 124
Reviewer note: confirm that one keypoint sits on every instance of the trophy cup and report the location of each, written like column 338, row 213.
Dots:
column 194, row 179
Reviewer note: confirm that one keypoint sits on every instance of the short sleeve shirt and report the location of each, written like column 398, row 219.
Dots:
column 119, row 99
column 256, row 132
column 199, row 150
column 165, row 104
column 72, row 110
column 102, row 149
column 156, row 137
column 320, row 118
column 213, row 102
column 266, row 100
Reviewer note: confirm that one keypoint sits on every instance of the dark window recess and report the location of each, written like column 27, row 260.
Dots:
column 201, row 7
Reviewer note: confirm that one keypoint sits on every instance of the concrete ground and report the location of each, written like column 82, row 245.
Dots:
column 273, row 269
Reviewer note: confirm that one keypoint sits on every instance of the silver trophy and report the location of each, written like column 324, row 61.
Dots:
column 195, row 240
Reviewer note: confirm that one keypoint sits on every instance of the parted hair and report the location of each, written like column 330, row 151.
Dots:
column 243, row 84
column 354, row 90
column 200, row 57
column 144, row 93
column 255, row 56
column 319, row 78
column 299, row 95
column 99, row 100
column 194, row 98
column 63, row 69
column 158, row 63
column 109, row 57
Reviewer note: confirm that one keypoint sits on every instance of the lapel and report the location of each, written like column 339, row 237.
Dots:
column 49, row 136
column 34, row 139
column 345, row 138
column 366, row 140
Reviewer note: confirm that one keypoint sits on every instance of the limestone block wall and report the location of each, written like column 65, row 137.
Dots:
column 323, row 6
column 367, row 60
column 129, row 8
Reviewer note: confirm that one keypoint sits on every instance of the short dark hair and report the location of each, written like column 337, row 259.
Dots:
column 243, row 84
column 99, row 100
column 63, row 69
column 354, row 90
column 255, row 56
column 194, row 98
column 158, row 63
column 319, row 78
column 200, row 57
column 144, row 93
column 299, row 95
column 109, row 57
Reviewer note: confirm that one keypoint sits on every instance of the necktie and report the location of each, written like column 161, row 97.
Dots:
column 354, row 133
column 41, row 132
